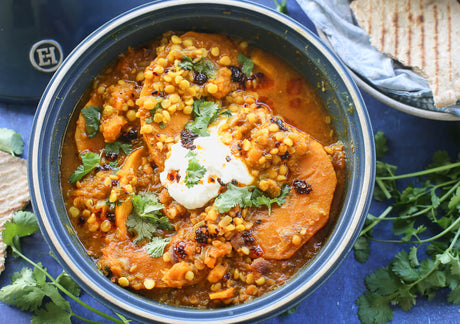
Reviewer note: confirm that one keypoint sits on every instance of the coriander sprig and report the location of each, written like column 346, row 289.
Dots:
column 29, row 287
column 431, row 202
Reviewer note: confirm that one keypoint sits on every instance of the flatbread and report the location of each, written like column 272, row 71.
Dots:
column 14, row 193
column 422, row 34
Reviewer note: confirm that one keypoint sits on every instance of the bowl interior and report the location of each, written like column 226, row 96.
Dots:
column 263, row 28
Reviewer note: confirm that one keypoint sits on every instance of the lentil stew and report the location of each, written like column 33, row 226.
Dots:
column 201, row 171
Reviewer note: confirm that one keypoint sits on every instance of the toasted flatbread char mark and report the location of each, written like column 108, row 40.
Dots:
column 83, row 142
column 120, row 256
column 301, row 212
column 122, row 211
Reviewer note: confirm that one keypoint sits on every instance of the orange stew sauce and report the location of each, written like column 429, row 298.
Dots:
column 233, row 248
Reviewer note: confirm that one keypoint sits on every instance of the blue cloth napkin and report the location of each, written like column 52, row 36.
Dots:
column 351, row 43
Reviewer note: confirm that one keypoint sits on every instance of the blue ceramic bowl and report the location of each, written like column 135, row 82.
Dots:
column 276, row 33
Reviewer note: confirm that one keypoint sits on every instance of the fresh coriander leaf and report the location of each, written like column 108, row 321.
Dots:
column 185, row 63
column 362, row 249
column 150, row 119
column 374, row 309
column 147, row 217
column 413, row 260
column 206, row 67
column 143, row 227
column 23, row 223
column 247, row 64
column 454, row 296
column 226, row 113
column 234, row 196
column 195, row 171
column 68, row 283
column 204, row 112
column 24, row 291
column 454, row 202
column 191, row 154
column 402, row 267
column 203, row 65
column 259, row 199
column 90, row 161
column 92, row 116
column 53, row 293
column 156, row 247
column 11, row 142
column 382, row 281
column 146, row 204
column 281, row 7
column 115, row 147
column 381, row 147
column 163, row 125
column 51, row 314
column 281, row 199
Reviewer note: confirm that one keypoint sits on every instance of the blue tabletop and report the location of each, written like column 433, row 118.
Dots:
column 412, row 142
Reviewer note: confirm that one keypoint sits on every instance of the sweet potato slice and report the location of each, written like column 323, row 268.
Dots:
column 122, row 211
column 173, row 129
column 302, row 214
column 83, row 142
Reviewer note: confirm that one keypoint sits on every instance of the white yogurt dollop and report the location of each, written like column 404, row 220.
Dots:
column 219, row 162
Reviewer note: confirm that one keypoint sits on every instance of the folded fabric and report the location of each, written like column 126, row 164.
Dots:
column 351, row 43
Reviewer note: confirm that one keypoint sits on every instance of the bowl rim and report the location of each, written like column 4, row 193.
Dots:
column 275, row 305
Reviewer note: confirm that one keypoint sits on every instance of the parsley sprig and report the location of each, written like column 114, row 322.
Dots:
column 431, row 204
column 29, row 287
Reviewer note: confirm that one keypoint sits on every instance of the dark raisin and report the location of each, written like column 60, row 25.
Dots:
column 129, row 135
column 200, row 78
column 111, row 156
column 280, row 123
column 256, row 252
column 187, row 138
column 247, row 237
column 81, row 220
column 111, row 217
column 179, row 250
column 227, row 276
column 202, row 234
column 302, row 187
column 237, row 74
column 104, row 167
column 285, row 156
column 114, row 183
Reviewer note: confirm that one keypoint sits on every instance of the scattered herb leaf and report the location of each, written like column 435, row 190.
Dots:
column 90, row 161
column 247, row 64
column 147, row 216
column 115, row 147
column 24, row 223
column 247, row 197
column 11, row 142
column 204, row 112
column 156, row 246
column 203, row 65
column 195, row 171
column 92, row 116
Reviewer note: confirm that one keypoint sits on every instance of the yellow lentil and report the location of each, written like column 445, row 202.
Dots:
column 74, row 212
column 149, row 283
column 123, row 281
